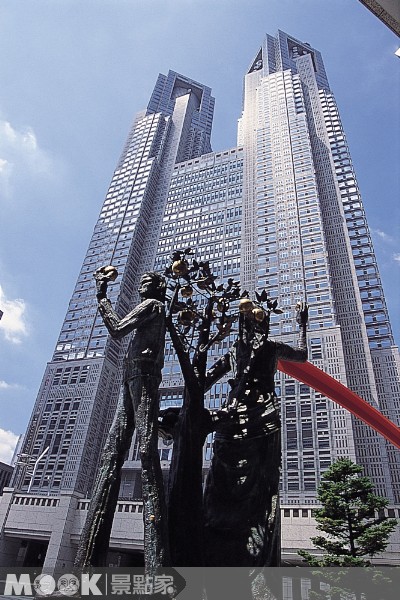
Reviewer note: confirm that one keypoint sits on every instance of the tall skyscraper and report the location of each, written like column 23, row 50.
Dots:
column 80, row 386
column 281, row 210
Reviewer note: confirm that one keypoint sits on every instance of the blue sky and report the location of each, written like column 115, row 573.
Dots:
column 72, row 76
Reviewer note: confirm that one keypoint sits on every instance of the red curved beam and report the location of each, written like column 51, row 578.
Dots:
column 336, row 391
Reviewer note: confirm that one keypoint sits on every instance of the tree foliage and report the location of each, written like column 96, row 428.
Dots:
column 352, row 516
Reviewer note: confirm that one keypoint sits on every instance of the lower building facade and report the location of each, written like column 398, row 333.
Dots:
column 44, row 531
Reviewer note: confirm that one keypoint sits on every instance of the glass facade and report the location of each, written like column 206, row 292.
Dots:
column 301, row 188
column 81, row 384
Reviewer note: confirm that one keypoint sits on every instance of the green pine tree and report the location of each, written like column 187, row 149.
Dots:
column 349, row 518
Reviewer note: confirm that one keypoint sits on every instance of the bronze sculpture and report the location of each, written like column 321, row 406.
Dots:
column 138, row 409
column 194, row 327
column 236, row 521
column 241, row 500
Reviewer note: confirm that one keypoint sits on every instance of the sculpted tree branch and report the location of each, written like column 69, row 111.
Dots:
column 191, row 328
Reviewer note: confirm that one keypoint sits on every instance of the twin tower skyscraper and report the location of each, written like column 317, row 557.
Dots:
column 282, row 211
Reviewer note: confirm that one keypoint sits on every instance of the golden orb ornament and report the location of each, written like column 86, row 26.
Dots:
column 179, row 267
column 111, row 272
column 258, row 314
column 245, row 305
column 187, row 291
column 203, row 283
column 186, row 317
column 222, row 305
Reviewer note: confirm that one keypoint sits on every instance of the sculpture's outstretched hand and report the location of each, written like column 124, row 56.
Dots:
column 103, row 276
column 302, row 313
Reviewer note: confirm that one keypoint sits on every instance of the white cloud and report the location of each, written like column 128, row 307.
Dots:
column 387, row 244
column 384, row 236
column 13, row 322
column 20, row 153
column 6, row 170
column 9, row 386
column 8, row 441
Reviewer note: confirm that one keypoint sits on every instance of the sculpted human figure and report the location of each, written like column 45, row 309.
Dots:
column 241, row 502
column 138, row 408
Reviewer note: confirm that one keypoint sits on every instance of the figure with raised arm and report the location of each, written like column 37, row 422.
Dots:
column 241, row 501
column 138, row 409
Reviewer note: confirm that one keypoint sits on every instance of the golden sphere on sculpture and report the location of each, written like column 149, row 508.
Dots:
column 202, row 283
column 111, row 272
column 180, row 267
column 258, row 314
column 187, row 291
column 222, row 305
column 186, row 317
column 245, row 305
